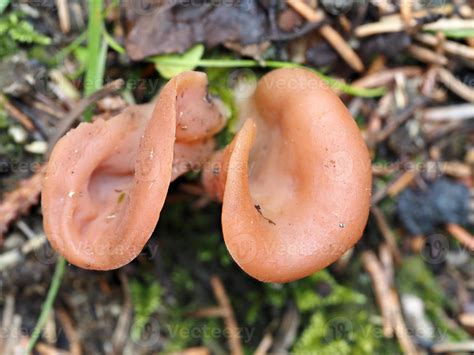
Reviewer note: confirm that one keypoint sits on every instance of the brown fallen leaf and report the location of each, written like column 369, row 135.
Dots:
column 174, row 27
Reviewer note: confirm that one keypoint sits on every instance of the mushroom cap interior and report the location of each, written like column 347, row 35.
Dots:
column 298, row 198
column 106, row 182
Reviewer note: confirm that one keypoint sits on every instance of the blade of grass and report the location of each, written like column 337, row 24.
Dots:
column 48, row 303
column 248, row 63
column 95, row 49
column 3, row 5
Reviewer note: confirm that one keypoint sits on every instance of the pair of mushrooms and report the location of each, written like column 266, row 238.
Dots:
column 294, row 183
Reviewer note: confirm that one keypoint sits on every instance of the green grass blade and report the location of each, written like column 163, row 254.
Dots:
column 48, row 303
column 248, row 63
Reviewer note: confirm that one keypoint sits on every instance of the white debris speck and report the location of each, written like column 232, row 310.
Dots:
column 152, row 153
column 71, row 193
column 18, row 134
column 111, row 216
column 37, row 147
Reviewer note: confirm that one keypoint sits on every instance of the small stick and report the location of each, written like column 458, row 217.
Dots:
column 341, row 46
column 449, row 113
column 381, row 290
column 383, row 26
column 79, row 109
column 401, row 183
column 124, row 321
column 71, row 333
column 63, row 14
column 209, row 312
column 230, row 322
column 461, row 235
column 450, row 24
column 16, row 113
column 331, row 35
column 450, row 348
column 450, row 47
column 400, row 327
column 398, row 120
column 387, row 233
column 265, row 345
column 455, row 85
column 384, row 77
column 387, row 298
column 406, row 11
column 426, row 55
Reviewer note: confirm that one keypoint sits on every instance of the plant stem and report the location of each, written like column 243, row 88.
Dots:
column 248, row 63
column 96, row 59
column 48, row 303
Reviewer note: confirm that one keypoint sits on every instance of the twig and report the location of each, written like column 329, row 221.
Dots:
column 400, row 327
column 63, row 15
column 19, row 201
column 265, row 345
column 121, row 331
column 388, row 302
column 449, row 113
column 399, row 120
column 461, row 235
column 341, row 46
column 230, row 322
column 48, row 303
column 384, row 77
column 16, row 113
column 450, row 47
column 209, row 312
column 71, row 333
column 79, row 109
column 458, row 347
column 406, row 11
column 455, row 85
column 381, row 290
column 331, row 35
column 7, row 320
column 386, row 25
column 446, row 24
column 426, row 55
column 387, row 233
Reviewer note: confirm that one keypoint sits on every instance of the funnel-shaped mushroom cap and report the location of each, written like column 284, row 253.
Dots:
column 106, row 182
column 299, row 197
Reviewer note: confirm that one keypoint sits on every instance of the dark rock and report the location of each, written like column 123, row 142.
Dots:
column 443, row 202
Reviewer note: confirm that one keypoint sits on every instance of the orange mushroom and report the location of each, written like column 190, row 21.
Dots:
column 107, row 181
column 295, row 182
